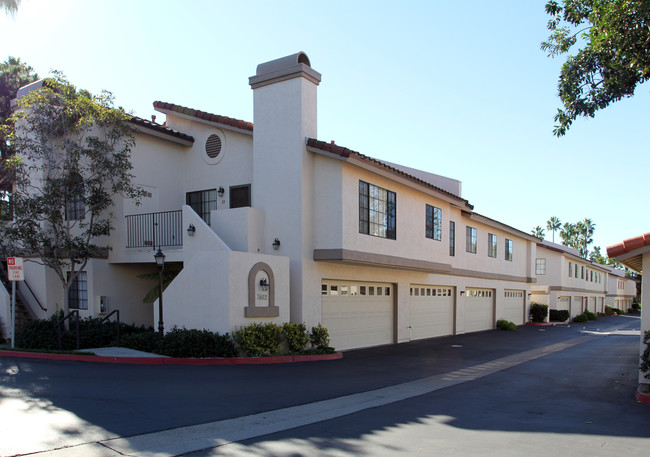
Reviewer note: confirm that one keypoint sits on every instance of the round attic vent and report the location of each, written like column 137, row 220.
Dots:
column 213, row 146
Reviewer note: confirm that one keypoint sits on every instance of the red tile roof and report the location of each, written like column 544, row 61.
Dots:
column 161, row 128
column 345, row 152
column 629, row 245
column 237, row 123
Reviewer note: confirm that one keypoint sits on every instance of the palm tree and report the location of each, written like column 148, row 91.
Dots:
column 10, row 6
column 538, row 232
column 553, row 224
column 568, row 234
column 585, row 229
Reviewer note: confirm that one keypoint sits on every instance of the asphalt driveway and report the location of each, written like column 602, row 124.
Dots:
column 562, row 380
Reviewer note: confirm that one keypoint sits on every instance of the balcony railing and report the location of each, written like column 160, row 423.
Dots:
column 154, row 230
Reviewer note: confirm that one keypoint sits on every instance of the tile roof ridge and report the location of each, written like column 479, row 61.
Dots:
column 346, row 152
column 230, row 121
column 160, row 127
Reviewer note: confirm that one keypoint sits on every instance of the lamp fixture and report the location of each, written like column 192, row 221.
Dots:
column 264, row 284
column 221, row 191
column 462, row 292
column 276, row 244
column 190, row 230
column 159, row 257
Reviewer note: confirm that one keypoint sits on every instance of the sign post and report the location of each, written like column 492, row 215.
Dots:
column 15, row 273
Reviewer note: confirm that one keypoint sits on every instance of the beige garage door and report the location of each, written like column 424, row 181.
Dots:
column 576, row 306
column 479, row 310
column 564, row 303
column 357, row 314
column 592, row 304
column 514, row 306
column 431, row 311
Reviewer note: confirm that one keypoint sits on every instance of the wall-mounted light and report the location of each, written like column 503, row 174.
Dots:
column 264, row 284
column 462, row 292
column 529, row 295
column 276, row 244
column 191, row 229
column 221, row 191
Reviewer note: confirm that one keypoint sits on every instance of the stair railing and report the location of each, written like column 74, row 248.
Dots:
column 101, row 329
column 59, row 324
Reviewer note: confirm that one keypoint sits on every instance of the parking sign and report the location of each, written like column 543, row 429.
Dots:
column 15, row 267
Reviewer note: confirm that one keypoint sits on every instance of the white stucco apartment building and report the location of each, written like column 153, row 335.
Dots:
column 268, row 223
column 566, row 281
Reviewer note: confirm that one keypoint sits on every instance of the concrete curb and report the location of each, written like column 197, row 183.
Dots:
column 173, row 360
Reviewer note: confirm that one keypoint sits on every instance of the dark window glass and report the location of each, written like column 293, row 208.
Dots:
column 452, row 238
column 78, row 292
column 377, row 211
column 240, row 196
column 433, row 227
column 202, row 202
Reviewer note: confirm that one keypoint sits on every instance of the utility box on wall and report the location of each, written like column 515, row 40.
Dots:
column 102, row 304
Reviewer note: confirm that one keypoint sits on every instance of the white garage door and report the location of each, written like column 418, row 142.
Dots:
column 592, row 304
column 479, row 310
column 564, row 303
column 357, row 314
column 576, row 307
column 514, row 306
column 431, row 311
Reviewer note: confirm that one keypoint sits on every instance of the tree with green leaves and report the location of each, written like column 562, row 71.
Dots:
column 612, row 58
column 553, row 225
column 72, row 159
column 538, row 232
column 14, row 74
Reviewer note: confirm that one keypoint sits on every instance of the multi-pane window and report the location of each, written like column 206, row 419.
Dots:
column 540, row 266
column 470, row 239
column 570, row 269
column 377, row 211
column 576, row 271
column 492, row 245
column 202, row 202
column 75, row 208
column 508, row 249
column 434, row 223
column 452, row 238
column 78, row 292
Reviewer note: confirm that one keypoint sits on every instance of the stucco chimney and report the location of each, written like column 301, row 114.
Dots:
column 285, row 102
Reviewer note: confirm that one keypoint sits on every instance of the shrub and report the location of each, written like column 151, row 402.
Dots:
column 538, row 312
column 503, row 324
column 197, row 343
column 619, row 311
column 558, row 315
column 590, row 316
column 40, row 334
column 636, row 306
column 147, row 341
column 296, row 336
column 580, row 318
column 257, row 339
column 645, row 357
column 319, row 337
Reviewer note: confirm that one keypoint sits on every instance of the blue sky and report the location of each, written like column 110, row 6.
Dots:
column 455, row 88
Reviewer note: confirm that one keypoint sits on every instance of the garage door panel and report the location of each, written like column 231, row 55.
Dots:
column 431, row 311
column 355, row 318
column 479, row 310
column 514, row 305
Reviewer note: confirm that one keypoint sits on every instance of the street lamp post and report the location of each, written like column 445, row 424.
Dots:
column 160, row 263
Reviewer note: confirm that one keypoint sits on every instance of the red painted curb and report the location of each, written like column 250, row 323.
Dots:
column 173, row 360
column 642, row 397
